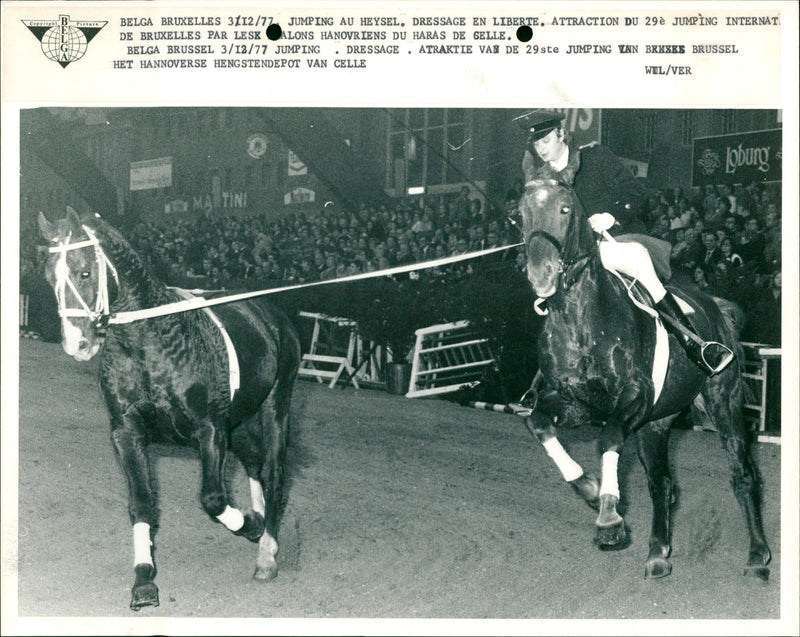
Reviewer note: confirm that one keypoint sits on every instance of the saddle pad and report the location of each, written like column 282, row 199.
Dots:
column 641, row 299
column 233, row 361
column 660, row 360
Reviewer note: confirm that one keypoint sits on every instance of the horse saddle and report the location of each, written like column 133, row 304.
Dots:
column 641, row 298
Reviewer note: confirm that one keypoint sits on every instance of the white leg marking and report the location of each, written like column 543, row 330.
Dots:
column 266, row 566
column 141, row 544
column 232, row 518
column 267, row 544
column 609, row 484
column 570, row 469
column 257, row 496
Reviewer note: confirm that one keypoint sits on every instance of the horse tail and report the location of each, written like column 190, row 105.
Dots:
column 733, row 324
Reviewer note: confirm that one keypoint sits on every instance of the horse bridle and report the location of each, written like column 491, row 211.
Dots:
column 63, row 280
column 570, row 269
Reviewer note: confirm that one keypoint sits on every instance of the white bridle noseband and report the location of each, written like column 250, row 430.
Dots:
column 64, row 280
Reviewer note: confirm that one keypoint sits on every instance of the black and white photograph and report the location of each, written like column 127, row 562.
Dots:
column 436, row 366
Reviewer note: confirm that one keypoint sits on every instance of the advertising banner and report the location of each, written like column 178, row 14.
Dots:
column 740, row 158
column 151, row 173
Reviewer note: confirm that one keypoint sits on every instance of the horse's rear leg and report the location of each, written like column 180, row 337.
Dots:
column 723, row 396
column 260, row 444
column 129, row 446
column 275, row 423
column 653, row 448
column 213, row 497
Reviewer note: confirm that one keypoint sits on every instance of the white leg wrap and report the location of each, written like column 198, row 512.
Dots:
column 141, row 544
column 267, row 544
column 570, row 469
column 232, row 518
column 609, row 484
column 257, row 496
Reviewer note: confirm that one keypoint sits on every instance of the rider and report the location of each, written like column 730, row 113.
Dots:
column 611, row 196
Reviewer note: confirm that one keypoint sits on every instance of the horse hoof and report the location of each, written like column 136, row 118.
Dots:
column 612, row 538
column 657, row 568
column 266, row 574
column 144, row 595
column 253, row 527
column 761, row 572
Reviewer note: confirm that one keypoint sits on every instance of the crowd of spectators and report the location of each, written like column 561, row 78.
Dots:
column 726, row 241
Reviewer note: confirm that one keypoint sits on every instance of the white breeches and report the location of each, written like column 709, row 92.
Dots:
column 633, row 260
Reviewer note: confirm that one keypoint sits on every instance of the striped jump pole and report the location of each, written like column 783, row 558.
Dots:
column 503, row 409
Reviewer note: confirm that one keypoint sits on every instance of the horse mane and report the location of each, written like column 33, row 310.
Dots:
column 132, row 270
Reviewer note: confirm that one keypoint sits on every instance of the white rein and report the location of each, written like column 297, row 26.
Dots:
column 102, row 302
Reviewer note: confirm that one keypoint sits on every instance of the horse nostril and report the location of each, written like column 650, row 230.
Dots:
column 83, row 345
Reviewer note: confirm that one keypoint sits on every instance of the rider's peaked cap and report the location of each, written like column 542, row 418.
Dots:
column 538, row 123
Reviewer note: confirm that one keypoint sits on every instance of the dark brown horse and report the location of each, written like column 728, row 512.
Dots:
column 200, row 378
column 597, row 353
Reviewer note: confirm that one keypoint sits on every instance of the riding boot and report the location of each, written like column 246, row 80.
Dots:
column 710, row 356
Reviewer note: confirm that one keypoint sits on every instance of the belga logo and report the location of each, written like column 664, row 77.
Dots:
column 64, row 41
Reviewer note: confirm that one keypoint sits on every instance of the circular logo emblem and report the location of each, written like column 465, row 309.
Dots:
column 709, row 161
column 256, row 145
column 64, row 44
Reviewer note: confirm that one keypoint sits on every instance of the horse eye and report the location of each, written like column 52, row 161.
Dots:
column 565, row 210
column 86, row 274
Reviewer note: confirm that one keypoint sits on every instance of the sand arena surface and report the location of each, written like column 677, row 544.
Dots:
column 397, row 508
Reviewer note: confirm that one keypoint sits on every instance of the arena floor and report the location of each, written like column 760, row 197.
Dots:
column 398, row 508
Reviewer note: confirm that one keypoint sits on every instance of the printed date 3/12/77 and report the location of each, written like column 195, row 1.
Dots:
column 249, row 20
column 244, row 49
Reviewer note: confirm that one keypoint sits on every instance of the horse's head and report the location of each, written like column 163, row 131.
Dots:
column 555, row 231
column 77, row 269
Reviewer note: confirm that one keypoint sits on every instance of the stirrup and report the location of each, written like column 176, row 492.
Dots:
column 524, row 406
column 727, row 357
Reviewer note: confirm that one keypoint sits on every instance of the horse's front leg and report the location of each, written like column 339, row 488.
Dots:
column 213, row 498
column 586, row 486
column 611, row 534
column 627, row 418
column 128, row 438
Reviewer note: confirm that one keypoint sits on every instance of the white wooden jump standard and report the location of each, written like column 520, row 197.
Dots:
column 319, row 365
column 438, row 355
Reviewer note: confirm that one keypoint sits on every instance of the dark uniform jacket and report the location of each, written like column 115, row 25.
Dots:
column 602, row 183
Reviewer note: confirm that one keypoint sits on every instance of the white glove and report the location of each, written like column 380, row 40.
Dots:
column 602, row 221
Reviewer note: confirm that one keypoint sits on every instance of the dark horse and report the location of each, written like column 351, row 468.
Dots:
column 173, row 379
column 597, row 352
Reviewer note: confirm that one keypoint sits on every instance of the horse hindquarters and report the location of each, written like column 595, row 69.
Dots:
column 724, row 400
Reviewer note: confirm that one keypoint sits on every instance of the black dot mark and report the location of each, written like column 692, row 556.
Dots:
column 274, row 31
column 524, row 33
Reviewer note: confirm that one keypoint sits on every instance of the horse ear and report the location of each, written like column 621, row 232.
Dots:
column 47, row 229
column 73, row 219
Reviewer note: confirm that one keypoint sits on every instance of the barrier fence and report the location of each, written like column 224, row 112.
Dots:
column 448, row 357
column 762, row 377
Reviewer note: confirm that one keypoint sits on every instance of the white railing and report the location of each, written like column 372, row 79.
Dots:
column 338, row 353
column 446, row 358
column 757, row 408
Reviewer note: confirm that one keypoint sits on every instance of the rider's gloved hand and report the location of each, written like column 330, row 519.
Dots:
column 602, row 221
